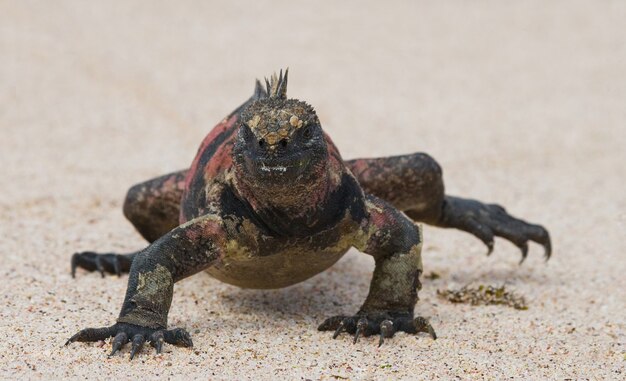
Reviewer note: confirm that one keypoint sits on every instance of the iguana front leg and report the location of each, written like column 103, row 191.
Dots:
column 395, row 242
column 186, row 250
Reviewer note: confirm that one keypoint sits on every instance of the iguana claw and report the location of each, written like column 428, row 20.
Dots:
column 122, row 331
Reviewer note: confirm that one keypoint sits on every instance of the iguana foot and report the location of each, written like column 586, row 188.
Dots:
column 488, row 220
column 124, row 333
column 110, row 263
column 384, row 324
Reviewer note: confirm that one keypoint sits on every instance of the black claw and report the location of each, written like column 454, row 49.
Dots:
column 361, row 325
column 423, row 325
column 99, row 267
column 157, row 340
column 339, row 329
column 187, row 342
column 74, row 264
column 159, row 346
column 524, row 248
column 386, row 330
column 117, row 267
column 482, row 232
column 547, row 247
column 119, row 340
column 138, row 341
column 73, row 338
column 432, row 332
column 539, row 234
column 489, row 248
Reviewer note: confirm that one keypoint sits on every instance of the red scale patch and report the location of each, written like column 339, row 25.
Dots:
column 222, row 159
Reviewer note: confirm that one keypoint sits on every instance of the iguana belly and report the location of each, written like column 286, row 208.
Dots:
column 279, row 269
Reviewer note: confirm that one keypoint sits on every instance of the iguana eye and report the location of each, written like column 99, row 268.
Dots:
column 307, row 132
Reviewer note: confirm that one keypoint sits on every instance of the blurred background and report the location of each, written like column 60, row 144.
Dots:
column 522, row 103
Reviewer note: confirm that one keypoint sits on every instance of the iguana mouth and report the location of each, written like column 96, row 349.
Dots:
column 287, row 166
column 273, row 169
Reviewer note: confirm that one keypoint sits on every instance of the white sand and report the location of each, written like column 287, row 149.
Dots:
column 523, row 104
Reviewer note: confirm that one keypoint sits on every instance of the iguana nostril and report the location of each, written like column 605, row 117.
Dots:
column 261, row 143
column 283, row 143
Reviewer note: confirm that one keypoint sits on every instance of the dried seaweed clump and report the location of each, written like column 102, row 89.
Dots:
column 484, row 295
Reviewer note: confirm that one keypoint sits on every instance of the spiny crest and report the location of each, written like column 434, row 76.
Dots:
column 277, row 85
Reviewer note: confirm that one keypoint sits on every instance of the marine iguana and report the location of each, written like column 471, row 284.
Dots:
column 268, row 202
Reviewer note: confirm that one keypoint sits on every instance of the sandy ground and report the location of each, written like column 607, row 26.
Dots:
column 522, row 103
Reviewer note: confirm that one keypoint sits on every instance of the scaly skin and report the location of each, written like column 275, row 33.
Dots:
column 269, row 202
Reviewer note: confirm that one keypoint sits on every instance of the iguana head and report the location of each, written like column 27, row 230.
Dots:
column 280, row 141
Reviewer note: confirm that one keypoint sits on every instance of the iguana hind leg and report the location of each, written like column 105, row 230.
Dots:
column 153, row 207
column 408, row 182
column 414, row 184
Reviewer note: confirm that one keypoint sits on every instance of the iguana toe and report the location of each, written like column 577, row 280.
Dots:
column 123, row 333
column 103, row 263
column 383, row 324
